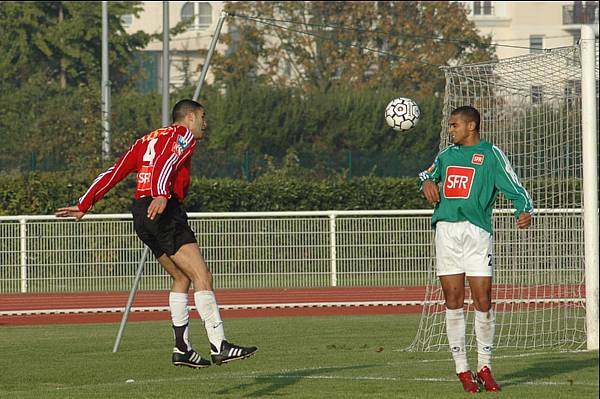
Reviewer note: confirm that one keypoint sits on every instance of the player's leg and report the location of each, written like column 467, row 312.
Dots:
column 189, row 259
column 485, row 328
column 454, row 295
column 478, row 258
column 178, row 303
column 179, row 243
column 452, row 278
column 146, row 229
column 183, row 353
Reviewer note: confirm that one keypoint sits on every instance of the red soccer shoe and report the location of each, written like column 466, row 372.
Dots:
column 485, row 377
column 468, row 381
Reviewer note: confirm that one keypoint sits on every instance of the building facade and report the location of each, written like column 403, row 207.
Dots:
column 187, row 49
column 523, row 27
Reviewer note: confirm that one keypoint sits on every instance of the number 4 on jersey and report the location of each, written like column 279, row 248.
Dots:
column 150, row 154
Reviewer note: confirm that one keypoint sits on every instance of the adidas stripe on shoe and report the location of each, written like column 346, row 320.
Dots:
column 230, row 352
column 190, row 359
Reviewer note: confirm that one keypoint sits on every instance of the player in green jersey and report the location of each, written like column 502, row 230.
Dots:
column 472, row 172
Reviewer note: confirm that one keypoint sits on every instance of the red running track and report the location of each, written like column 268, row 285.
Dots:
column 278, row 299
column 107, row 306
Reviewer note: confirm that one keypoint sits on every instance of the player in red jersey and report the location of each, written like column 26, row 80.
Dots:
column 161, row 160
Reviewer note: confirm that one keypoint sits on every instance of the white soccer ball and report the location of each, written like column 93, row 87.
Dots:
column 402, row 114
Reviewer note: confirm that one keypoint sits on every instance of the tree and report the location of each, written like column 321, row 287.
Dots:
column 50, row 73
column 40, row 41
column 314, row 44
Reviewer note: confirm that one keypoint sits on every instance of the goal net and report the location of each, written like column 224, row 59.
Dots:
column 530, row 108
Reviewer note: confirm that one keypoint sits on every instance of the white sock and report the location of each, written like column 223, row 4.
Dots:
column 180, row 316
column 485, row 327
column 209, row 313
column 455, row 329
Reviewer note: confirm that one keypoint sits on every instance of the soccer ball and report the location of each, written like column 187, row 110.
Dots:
column 402, row 114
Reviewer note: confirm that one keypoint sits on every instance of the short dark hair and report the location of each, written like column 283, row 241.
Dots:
column 470, row 114
column 184, row 107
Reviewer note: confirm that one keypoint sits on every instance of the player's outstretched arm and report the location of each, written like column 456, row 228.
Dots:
column 70, row 211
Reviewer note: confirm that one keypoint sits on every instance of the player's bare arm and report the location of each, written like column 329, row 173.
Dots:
column 524, row 220
column 431, row 191
column 70, row 211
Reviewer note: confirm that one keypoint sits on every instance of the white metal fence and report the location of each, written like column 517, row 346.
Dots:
column 252, row 250
column 243, row 250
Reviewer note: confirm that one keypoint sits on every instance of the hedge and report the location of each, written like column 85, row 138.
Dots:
column 42, row 193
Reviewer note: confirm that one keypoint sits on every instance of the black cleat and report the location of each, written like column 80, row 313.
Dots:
column 191, row 359
column 231, row 352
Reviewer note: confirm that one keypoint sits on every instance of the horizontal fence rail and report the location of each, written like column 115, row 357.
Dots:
column 265, row 250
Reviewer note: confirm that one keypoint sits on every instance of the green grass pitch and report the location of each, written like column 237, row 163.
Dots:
column 298, row 357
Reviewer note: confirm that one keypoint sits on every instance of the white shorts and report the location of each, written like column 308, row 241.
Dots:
column 462, row 247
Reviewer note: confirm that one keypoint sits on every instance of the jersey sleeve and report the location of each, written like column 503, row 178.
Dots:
column 109, row 178
column 432, row 173
column 178, row 148
column 507, row 182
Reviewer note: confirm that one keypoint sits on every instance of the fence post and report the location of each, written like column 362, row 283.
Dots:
column 23, row 223
column 332, row 249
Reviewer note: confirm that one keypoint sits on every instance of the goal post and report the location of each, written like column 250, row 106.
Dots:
column 590, row 179
column 537, row 108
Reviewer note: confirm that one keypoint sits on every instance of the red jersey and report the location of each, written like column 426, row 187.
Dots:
column 162, row 161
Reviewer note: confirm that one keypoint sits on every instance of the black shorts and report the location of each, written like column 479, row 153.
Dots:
column 167, row 232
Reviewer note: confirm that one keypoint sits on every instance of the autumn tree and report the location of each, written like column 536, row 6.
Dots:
column 314, row 44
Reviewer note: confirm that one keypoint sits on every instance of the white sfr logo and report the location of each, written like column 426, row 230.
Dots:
column 458, row 183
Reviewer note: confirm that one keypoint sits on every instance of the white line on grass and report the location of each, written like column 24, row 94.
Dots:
column 285, row 374
column 507, row 356
column 520, row 355
column 511, row 382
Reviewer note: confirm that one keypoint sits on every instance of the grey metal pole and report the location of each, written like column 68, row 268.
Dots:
column 165, row 65
column 138, row 276
column 211, row 49
column 105, row 86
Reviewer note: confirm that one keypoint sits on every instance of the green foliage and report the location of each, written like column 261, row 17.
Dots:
column 320, row 128
column 42, row 193
column 40, row 41
column 317, row 126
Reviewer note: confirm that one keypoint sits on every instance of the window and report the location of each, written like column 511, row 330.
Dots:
column 572, row 91
column 536, row 44
column 536, row 94
column 204, row 15
column 200, row 13
column 126, row 20
column 187, row 12
column 483, row 8
column 146, row 75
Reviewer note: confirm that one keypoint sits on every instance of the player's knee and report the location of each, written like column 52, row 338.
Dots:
column 181, row 280
column 454, row 302
column 482, row 304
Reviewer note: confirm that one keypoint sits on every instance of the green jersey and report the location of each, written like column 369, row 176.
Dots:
column 472, row 177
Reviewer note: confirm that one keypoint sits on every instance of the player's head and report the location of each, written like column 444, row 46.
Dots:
column 464, row 125
column 190, row 114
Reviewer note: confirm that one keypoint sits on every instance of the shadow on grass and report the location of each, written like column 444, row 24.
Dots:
column 548, row 368
column 269, row 384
